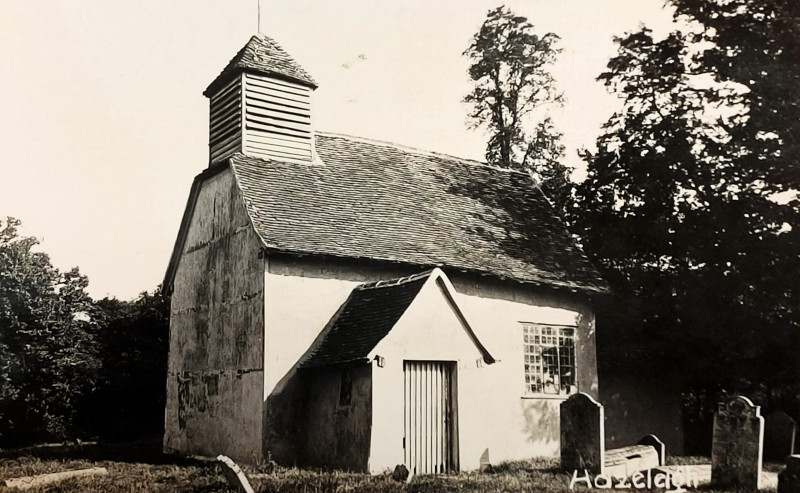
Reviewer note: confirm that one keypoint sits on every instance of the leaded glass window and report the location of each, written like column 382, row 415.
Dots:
column 549, row 359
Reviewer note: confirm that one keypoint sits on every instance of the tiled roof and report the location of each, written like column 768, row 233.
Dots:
column 371, row 311
column 378, row 201
column 263, row 55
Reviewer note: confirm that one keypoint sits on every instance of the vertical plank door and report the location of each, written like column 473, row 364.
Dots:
column 429, row 417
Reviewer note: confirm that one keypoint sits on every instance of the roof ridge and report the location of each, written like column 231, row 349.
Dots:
column 421, row 152
column 394, row 282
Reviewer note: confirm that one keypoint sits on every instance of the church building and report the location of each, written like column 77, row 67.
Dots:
column 345, row 302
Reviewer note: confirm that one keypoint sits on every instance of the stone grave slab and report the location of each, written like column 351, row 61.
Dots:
column 42, row 480
column 661, row 448
column 582, row 434
column 623, row 462
column 737, row 445
column 779, row 436
column 234, row 474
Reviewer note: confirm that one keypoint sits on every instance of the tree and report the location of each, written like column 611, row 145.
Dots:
column 131, row 390
column 71, row 367
column 512, row 89
column 755, row 45
column 679, row 205
column 47, row 342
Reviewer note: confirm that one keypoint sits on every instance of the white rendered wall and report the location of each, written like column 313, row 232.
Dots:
column 492, row 411
column 303, row 294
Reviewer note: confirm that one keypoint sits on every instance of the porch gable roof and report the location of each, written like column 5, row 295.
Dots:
column 369, row 314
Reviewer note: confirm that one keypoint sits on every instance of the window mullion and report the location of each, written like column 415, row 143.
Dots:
column 558, row 365
column 543, row 343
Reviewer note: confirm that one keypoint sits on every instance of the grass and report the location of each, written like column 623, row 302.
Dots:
column 141, row 467
column 537, row 475
column 131, row 468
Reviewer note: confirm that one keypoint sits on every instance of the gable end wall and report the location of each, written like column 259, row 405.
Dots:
column 215, row 369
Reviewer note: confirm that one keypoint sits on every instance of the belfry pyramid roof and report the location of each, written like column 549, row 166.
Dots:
column 264, row 55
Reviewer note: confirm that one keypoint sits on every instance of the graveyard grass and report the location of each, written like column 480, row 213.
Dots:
column 142, row 468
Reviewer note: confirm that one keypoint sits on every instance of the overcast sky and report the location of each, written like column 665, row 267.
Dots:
column 103, row 124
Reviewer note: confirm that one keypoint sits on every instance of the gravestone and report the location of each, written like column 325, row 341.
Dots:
column 779, row 436
column 582, row 434
column 736, row 446
column 789, row 478
column 486, row 463
column 234, row 474
column 657, row 444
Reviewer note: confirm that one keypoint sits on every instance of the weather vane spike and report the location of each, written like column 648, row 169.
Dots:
column 259, row 16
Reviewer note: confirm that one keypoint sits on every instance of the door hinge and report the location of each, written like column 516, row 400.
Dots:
column 404, row 442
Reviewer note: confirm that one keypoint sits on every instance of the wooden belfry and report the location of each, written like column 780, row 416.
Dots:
column 260, row 105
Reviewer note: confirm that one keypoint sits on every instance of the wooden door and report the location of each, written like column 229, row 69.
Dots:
column 431, row 444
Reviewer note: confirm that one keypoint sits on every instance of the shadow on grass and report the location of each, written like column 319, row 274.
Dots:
column 142, row 452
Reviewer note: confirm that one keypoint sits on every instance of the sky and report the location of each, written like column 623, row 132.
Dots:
column 103, row 124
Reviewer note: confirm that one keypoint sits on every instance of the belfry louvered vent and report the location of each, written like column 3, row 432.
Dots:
column 225, row 135
column 277, row 119
column 261, row 106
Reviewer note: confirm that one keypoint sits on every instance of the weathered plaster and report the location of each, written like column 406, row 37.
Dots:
column 338, row 434
column 215, row 369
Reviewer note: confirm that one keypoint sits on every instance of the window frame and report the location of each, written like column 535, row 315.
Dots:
column 530, row 330
column 345, row 387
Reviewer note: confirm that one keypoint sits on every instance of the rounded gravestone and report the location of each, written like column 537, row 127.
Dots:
column 779, row 436
column 582, row 434
column 737, row 444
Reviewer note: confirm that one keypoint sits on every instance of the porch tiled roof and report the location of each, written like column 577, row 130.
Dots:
column 371, row 311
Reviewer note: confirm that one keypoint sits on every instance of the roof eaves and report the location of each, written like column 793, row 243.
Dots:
column 394, row 282
column 235, row 71
column 574, row 287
